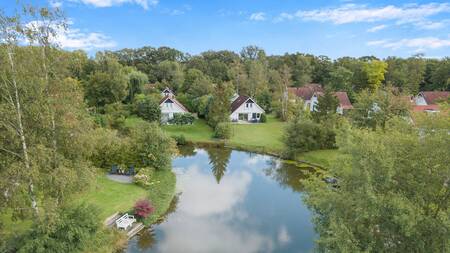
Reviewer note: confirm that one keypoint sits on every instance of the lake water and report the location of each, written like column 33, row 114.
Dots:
column 232, row 201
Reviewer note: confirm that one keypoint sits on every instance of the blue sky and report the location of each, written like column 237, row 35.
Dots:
column 333, row 28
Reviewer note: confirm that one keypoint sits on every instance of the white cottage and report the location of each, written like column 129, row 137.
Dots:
column 244, row 108
column 167, row 92
column 169, row 107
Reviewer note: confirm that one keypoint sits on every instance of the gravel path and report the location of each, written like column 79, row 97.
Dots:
column 121, row 178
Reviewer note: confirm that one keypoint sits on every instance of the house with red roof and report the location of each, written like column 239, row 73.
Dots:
column 310, row 94
column 245, row 109
column 427, row 101
column 170, row 106
column 431, row 97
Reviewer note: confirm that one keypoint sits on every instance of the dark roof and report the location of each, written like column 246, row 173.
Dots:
column 168, row 89
column 173, row 100
column 431, row 97
column 238, row 102
column 306, row 91
column 344, row 101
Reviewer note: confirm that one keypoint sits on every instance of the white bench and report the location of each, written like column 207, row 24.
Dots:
column 125, row 221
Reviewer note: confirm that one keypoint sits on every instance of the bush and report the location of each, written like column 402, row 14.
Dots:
column 68, row 229
column 305, row 135
column 182, row 119
column 144, row 176
column 147, row 108
column 180, row 139
column 143, row 208
column 151, row 146
column 263, row 118
column 223, row 130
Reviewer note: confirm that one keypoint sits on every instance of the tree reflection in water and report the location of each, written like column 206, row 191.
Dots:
column 288, row 174
column 186, row 150
column 219, row 159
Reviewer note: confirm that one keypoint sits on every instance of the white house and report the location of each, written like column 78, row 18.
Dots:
column 430, row 97
column 167, row 92
column 244, row 108
column 169, row 107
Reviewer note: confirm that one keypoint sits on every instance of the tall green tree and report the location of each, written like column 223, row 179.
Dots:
column 377, row 206
column 325, row 110
column 220, row 105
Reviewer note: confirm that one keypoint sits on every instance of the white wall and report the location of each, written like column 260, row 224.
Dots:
column 169, row 109
column 420, row 100
column 244, row 110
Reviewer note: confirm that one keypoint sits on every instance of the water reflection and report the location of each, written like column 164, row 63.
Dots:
column 218, row 159
column 232, row 202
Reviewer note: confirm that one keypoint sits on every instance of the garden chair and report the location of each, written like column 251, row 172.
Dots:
column 114, row 170
column 131, row 171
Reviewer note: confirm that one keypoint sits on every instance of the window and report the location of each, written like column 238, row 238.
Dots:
column 254, row 115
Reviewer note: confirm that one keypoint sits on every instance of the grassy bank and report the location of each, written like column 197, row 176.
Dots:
column 111, row 197
column 261, row 138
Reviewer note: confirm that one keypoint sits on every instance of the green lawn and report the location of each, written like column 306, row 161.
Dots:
column 111, row 197
column 323, row 158
column 262, row 136
column 197, row 132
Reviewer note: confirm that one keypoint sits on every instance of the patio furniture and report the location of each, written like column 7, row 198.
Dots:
column 131, row 171
column 125, row 222
column 114, row 170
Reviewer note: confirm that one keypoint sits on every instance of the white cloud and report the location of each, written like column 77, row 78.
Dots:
column 376, row 28
column 418, row 44
column 283, row 236
column 72, row 38
column 352, row 13
column 430, row 25
column 258, row 16
column 108, row 3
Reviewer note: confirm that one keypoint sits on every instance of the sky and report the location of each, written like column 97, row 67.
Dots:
column 332, row 28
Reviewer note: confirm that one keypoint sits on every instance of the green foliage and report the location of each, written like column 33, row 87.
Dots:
column 109, row 148
column 180, row 139
column 305, row 135
column 69, row 229
column 108, row 83
column 115, row 115
column 147, row 107
column 182, row 119
column 144, row 177
column 136, row 82
column 219, row 109
column 326, row 108
column 374, row 71
column 263, row 118
column 151, row 147
column 373, row 110
column 170, row 73
column 223, row 130
column 379, row 177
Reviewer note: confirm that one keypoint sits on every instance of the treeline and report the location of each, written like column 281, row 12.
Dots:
column 252, row 71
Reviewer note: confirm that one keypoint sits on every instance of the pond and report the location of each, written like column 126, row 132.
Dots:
column 232, row 201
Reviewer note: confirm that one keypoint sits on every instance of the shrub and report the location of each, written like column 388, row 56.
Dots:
column 143, row 208
column 144, row 176
column 182, row 119
column 147, row 108
column 305, row 135
column 222, row 130
column 180, row 139
column 263, row 118
column 151, row 146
